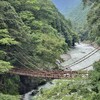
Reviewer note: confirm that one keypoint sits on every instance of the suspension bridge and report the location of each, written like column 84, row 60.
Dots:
column 55, row 74
column 48, row 74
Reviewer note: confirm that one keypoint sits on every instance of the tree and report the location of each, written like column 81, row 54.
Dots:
column 4, row 66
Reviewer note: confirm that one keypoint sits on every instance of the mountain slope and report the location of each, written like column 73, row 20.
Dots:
column 78, row 16
column 94, row 22
column 34, row 24
column 33, row 34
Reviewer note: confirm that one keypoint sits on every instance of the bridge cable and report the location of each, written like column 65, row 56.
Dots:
column 81, row 58
column 86, row 67
column 18, row 60
column 31, row 64
column 19, row 46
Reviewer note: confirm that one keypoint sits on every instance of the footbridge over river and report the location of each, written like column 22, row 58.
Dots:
column 56, row 74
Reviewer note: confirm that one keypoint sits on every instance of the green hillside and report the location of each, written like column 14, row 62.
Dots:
column 78, row 16
column 33, row 30
column 94, row 22
column 33, row 34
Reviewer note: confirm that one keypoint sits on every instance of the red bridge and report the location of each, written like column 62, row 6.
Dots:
column 55, row 74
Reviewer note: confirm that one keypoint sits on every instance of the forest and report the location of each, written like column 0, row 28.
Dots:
column 33, row 35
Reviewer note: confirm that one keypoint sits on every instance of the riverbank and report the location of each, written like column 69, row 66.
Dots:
column 65, row 56
column 95, row 45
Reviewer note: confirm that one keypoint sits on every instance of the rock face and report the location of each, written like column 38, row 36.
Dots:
column 29, row 83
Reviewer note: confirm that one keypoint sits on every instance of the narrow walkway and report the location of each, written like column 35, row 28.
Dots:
column 56, row 74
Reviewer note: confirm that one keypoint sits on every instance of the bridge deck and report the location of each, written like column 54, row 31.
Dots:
column 55, row 74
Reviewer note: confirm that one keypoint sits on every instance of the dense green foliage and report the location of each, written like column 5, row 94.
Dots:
column 9, row 97
column 85, row 20
column 31, row 30
column 5, row 42
column 94, row 22
column 33, row 34
column 78, row 17
column 5, row 66
column 77, row 89
column 9, row 84
column 95, row 77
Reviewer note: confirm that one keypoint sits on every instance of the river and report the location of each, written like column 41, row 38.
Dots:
column 73, row 55
column 77, row 53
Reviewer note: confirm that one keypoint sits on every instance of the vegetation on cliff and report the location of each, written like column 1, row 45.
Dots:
column 30, row 32
column 33, row 34
column 94, row 22
column 9, row 97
